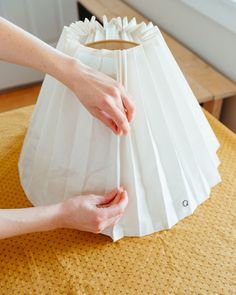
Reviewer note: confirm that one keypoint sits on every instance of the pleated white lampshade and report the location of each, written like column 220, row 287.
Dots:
column 167, row 163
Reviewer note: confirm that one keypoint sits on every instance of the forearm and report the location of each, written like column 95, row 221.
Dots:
column 15, row 222
column 19, row 47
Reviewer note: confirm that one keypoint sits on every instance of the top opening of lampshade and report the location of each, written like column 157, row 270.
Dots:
column 112, row 44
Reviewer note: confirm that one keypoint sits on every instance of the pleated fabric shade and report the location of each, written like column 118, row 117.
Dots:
column 167, row 163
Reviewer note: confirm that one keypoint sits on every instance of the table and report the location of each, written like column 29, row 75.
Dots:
column 196, row 256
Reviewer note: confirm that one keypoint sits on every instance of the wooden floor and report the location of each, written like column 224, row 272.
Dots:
column 17, row 98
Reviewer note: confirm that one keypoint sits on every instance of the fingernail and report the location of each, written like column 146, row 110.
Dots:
column 119, row 131
column 126, row 131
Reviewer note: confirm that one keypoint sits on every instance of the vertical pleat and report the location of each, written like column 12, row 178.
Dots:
column 117, row 230
column 183, row 139
column 147, row 158
column 158, row 196
column 191, row 104
column 194, row 147
column 190, row 101
column 43, row 154
column 35, row 130
column 162, row 134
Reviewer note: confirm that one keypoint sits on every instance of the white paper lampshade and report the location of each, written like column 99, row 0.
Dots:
column 167, row 163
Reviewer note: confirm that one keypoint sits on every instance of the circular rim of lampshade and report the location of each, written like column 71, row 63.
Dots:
column 131, row 44
column 122, row 29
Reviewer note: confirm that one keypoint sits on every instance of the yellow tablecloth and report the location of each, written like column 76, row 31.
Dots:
column 196, row 256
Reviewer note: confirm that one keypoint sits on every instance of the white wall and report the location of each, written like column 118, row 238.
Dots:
column 209, row 39
column 44, row 19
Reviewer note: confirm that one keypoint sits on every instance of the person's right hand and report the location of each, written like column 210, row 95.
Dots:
column 102, row 96
column 93, row 213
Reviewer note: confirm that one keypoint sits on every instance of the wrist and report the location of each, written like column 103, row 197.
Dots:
column 43, row 218
column 67, row 211
column 66, row 70
column 55, row 216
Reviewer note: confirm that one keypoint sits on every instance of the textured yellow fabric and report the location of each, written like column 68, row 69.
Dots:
column 196, row 256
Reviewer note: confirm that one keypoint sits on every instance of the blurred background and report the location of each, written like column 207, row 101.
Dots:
column 206, row 27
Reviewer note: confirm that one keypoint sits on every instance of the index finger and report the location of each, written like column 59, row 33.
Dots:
column 128, row 104
column 118, row 116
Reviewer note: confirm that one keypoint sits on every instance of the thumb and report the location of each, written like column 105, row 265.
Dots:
column 107, row 198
